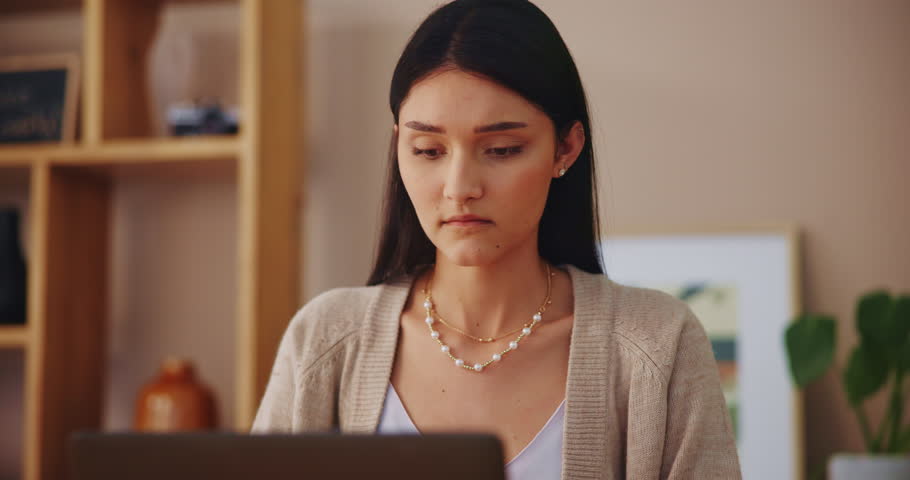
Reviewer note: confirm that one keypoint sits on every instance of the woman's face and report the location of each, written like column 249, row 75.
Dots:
column 477, row 160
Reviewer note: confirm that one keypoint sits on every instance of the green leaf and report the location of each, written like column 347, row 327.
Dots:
column 903, row 442
column 901, row 319
column 901, row 315
column 866, row 373
column 810, row 347
column 691, row 291
column 874, row 319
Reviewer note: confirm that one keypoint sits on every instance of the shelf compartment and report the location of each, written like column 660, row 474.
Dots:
column 173, row 274
column 122, row 45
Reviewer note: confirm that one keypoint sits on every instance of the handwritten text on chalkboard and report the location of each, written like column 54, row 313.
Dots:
column 32, row 105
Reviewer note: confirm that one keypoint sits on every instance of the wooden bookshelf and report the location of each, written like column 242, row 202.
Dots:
column 69, row 197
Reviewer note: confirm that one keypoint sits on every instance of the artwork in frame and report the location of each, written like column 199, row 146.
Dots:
column 742, row 284
column 38, row 98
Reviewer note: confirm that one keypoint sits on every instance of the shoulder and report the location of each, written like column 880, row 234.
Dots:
column 328, row 321
column 336, row 312
column 654, row 326
column 337, row 309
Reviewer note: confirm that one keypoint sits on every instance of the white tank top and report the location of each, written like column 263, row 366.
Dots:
column 540, row 460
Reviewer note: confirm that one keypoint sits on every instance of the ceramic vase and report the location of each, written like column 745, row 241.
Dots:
column 175, row 401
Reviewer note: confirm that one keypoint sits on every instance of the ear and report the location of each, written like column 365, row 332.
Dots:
column 569, row 147
column 395, row 127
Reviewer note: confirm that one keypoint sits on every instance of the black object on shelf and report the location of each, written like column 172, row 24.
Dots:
column 202, row 118
column 12, row 270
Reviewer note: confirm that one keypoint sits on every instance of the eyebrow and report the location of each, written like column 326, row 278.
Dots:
column 493, row 127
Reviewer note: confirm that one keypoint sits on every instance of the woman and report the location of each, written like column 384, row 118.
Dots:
column 487, row 308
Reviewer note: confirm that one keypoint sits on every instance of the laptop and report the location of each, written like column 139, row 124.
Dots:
column 234, row 456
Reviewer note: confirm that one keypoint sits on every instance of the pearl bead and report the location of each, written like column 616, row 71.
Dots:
column 445, row 349
column 427, row 304
column 478, row 367
column 429, row 320
column 513, row 345
column 537, row 317
column 497, row 357
column 434, row 334
column 459, row 362
column 526, row 331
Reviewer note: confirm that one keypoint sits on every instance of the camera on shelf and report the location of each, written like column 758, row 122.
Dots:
column 202, row 118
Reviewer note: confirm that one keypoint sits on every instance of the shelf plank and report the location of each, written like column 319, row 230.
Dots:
column 13, row 164
column 19, row 155
column 29, row 6
column 151, row 150
column 16, row 336
column 138, row 151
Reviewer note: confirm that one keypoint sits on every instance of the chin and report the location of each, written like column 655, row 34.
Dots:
column 474, row 256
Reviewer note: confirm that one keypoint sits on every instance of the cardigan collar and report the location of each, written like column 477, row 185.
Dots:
column 585, row 426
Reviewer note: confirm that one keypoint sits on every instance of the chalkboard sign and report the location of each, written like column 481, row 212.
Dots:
column 37, row 98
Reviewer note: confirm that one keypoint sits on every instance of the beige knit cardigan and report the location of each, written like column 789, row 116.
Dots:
column 643, row 396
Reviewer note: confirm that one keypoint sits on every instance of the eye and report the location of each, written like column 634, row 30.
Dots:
column 504, row 152
column 430, row 153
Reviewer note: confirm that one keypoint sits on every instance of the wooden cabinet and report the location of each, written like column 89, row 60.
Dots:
column 69, row 190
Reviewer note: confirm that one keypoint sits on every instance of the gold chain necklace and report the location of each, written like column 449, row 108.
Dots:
column 427, row 292
column 478, row 367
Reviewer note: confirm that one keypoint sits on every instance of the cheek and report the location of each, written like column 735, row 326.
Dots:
column 525, row 195
column 419, row 187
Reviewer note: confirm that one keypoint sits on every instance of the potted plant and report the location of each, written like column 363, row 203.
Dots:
column 881, row 360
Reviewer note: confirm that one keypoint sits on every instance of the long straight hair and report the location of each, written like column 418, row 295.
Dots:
column 513, row 43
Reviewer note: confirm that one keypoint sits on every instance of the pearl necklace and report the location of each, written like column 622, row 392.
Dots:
column 513, row 345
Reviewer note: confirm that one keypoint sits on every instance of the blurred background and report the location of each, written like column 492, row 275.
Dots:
column 704, row 113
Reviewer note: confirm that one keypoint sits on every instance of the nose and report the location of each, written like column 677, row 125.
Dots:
column 463, row 179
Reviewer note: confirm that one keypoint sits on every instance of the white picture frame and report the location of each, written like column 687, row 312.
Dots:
column 746, row 284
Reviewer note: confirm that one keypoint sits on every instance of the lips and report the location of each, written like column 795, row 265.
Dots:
column 466, row 220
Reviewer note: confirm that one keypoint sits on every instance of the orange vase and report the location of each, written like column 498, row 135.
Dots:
column 175, row 401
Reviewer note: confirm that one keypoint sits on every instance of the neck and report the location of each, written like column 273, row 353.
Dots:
column 489, row 300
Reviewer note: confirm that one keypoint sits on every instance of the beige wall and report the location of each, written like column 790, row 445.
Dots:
column 705, row 113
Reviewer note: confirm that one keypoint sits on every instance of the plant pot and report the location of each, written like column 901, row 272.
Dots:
column 847, row 466
column 12, row 270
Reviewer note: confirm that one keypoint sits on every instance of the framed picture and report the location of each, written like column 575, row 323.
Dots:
column 743, row 285
column 38, row 98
